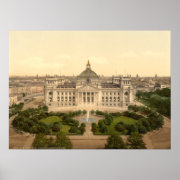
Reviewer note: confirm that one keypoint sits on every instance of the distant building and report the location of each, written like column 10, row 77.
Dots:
column 25, row 90
column 13, row 100
column 88, row 90
column 162, row 86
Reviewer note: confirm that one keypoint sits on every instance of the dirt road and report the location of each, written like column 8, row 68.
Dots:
column 158, row 139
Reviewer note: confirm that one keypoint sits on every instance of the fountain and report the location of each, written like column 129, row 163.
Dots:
column 87, row 119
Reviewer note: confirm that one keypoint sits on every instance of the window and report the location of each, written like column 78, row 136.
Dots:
column 126, row 93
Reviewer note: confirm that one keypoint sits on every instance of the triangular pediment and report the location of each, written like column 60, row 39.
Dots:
column 88, row 88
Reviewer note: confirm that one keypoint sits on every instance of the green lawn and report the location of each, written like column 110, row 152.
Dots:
column 116, row 120
column 53, row 119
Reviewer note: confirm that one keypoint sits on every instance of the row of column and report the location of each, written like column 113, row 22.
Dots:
column 87, row 97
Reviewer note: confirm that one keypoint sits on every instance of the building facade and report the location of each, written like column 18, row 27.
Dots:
column 13, row 100
column 88, row 90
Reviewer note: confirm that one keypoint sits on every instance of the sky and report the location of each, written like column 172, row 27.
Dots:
column 145, row 53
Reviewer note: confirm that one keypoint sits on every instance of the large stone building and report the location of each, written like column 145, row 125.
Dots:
column 88, row 90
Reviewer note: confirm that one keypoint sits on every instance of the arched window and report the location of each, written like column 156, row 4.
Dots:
column 50, row 93
column 126, row 93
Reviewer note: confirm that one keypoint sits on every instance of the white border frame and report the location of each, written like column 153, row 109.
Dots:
column 90, row 15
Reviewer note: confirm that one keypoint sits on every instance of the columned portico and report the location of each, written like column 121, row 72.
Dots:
column 87, row 98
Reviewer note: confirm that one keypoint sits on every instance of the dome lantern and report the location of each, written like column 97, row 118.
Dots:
column 88, row 73
column 88, row 65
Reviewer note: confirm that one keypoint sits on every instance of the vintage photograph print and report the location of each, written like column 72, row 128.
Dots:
column 89, row 90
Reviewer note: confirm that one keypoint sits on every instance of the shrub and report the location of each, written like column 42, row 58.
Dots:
column 120, row 127
column 56, row 128
column 99, row 112
column 115, row 114
column 73, row 129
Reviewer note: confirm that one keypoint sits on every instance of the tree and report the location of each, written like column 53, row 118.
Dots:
column 100, row 123
column 104, row 129
column 84, row 111
column 82, row 129
column 94, row 127
column 83, row 125
column 115, row 142
column 40, row 141
column 45, row 108
column 92, row 111
column 108, row 119
column 51, row 143
column 141, row 128
column 135, row 141
column 62, row 142
column 138, row 94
